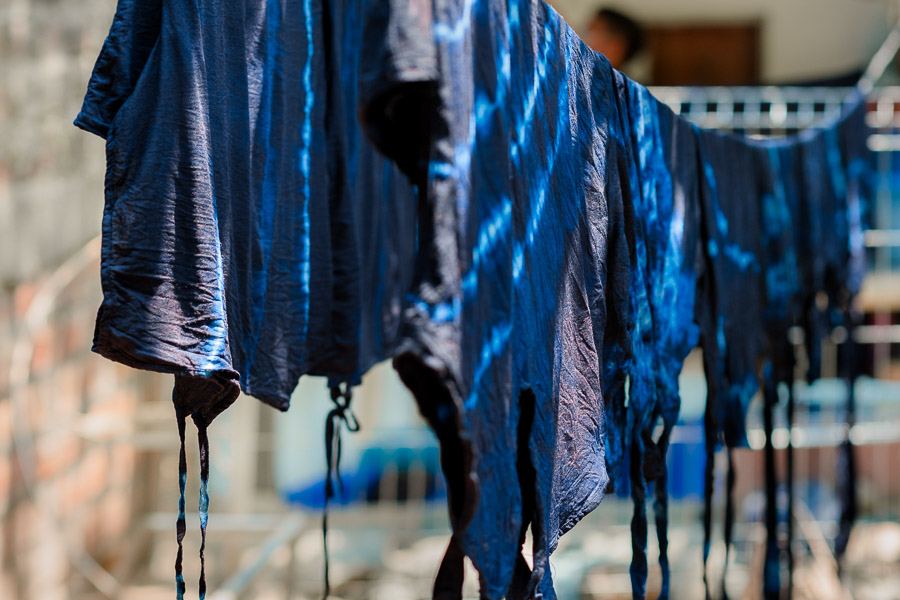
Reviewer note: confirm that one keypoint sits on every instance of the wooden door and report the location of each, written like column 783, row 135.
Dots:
column 727, row 54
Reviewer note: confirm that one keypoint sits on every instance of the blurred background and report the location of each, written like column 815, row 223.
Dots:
column 88, row 448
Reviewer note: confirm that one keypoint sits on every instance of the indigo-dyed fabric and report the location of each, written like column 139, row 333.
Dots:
column 246, row 236
column 663, row 183
column 795, row 258
column 536, row 242
column 526, row 281
column 237, row 173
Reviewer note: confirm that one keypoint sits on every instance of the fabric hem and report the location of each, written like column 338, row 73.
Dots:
column 169, row 368
column 585, row 507
column 91, row 124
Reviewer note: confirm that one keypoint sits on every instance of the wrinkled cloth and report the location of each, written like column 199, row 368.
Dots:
column 784, row 248
column 233, row 254
column 527, row 280
column 308, row 187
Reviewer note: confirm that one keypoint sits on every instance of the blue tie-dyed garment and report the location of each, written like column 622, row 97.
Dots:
column 664, row 183
column 233, row 244
column 781, row 229
column 247, row 234
column 541, row 249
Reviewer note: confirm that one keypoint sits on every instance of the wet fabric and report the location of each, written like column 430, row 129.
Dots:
column 527, row 282
column 233, row 255
column 726, row 260
column 795, row 260
column 224, row 257
column 310, row 186
column 664, row 189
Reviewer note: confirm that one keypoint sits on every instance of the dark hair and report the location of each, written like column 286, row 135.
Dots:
column 625, row 26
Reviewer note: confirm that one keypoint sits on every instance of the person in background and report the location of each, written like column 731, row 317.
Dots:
column 615, row 35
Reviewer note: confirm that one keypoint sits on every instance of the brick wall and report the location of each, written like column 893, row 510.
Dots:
column 71, row 478
column 79, row 492
column 50, row 172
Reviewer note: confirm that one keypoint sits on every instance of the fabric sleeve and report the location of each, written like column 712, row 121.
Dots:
column 132, row 37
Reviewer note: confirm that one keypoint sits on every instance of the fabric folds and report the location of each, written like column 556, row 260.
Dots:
column 312, row 186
